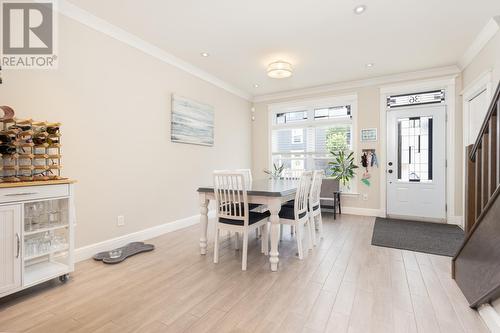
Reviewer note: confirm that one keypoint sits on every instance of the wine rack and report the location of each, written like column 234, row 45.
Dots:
column 30, row 150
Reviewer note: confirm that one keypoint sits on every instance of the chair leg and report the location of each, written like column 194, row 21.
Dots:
column 340, row 205
column 311, row 232
column 216, row 245
column 298, row 234
column 265, row 239
column 245, row 251
column 237, row 240
column 320, row 225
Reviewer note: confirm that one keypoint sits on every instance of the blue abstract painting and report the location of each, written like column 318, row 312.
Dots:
column 192, row 122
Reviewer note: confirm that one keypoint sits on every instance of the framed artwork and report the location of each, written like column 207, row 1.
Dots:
column 191, row 122
column 368, row 134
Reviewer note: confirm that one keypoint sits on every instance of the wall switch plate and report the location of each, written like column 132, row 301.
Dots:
column 120, row 220
column 365, row 196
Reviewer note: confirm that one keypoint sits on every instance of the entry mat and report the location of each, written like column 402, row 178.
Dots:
column 120, row 254
column 435, row 238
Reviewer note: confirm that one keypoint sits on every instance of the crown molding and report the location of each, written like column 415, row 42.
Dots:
column 86, row 18
column 381, row 80
column 484, row 36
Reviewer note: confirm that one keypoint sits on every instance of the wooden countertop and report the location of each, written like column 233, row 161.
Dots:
column 38, row 183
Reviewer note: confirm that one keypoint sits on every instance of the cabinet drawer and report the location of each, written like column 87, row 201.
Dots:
column 29, row 193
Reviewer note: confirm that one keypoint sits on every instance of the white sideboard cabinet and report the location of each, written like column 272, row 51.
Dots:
column 37, row 221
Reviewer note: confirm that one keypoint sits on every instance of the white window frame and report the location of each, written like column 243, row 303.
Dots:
column 310, row 105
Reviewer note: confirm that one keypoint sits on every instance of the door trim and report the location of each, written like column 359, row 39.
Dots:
column 449, row 85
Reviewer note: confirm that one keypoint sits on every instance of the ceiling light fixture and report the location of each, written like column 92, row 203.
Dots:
column 256, row 85
column 359, row 9
column 370, row 65
column 279, row 70
column 204, row 54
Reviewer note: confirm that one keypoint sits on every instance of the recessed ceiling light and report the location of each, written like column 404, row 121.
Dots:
column 256, row 85
column 359, row 9
column 204, row 54
column 370, row 65
column 279, row 70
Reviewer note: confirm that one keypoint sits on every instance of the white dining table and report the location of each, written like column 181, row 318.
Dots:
column 270, row 192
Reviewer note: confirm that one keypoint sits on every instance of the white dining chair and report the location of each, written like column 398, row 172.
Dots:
column 297, row 215
column 247, row 174
column 289, row 174
column 233, row 214
column 314, row 204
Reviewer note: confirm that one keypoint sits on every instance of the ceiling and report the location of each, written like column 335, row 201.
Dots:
column 324, row 40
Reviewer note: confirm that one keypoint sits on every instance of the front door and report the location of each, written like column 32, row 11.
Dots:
column 416, row 163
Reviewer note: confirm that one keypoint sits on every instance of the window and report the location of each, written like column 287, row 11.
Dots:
column 297, row 135
column 304, row 139
column 415, row 149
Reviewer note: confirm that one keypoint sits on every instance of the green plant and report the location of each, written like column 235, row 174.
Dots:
column 343, row 167
column 276, row 172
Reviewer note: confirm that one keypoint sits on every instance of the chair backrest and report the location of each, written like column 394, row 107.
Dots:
column 314, row 195
column 328, row 187
column 302, row 195
column 289, row 174
column 231, row 199
column 247, row 175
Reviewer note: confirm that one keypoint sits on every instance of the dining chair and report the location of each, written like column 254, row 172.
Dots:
column 233, row 214
column 289, row 174
column 247, row 175
column 297, row 215
column 314, row 205
column 330, row 192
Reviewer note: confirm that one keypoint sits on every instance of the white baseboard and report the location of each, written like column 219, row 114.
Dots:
column 86, row 252
column 359, row 211
column 490, row 317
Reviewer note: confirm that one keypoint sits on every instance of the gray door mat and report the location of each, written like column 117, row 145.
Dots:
column 124, row 252
column 434, row 238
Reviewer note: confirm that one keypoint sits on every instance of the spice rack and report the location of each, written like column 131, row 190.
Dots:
column 30, row 150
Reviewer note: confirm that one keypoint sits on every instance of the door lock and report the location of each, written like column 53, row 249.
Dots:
column 390, row 171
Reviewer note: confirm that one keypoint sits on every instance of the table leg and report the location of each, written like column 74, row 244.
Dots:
column 204, row 223
column 274, row 208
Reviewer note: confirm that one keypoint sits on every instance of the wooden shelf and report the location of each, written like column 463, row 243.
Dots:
column 36, row 273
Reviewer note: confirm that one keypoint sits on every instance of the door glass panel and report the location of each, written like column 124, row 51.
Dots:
column 415, row 149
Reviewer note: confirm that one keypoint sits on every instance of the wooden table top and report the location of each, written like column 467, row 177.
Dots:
column 38, row 183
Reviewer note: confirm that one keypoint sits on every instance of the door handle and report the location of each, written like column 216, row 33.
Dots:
column 18, row 245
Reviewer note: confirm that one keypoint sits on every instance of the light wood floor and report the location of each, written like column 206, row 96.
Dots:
column 344, row 285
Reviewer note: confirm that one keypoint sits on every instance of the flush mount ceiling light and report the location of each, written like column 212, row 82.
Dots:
column 256, row 85
column 359, row 9
column 279, row 70
column 204, row 54
column 370, row 65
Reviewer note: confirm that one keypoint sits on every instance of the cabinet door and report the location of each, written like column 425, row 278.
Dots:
column 10, row 248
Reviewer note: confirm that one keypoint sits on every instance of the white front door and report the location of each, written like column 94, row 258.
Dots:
column 416, row 163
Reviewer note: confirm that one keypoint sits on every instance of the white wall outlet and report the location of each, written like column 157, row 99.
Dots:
column 120, row 220
column 365, row 196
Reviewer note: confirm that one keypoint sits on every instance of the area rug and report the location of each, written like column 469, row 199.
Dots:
column 435, row 238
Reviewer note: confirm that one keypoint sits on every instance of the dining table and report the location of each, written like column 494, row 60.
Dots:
column 272, row 193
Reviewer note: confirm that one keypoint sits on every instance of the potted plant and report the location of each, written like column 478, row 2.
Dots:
column 276, row 172
column 342, row 167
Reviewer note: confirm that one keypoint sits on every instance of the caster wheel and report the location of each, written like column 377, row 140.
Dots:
column 64, row 278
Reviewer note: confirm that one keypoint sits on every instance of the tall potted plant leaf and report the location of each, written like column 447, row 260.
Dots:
column 342, row 167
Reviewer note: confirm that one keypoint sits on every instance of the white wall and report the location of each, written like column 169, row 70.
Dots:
column 114, row 103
